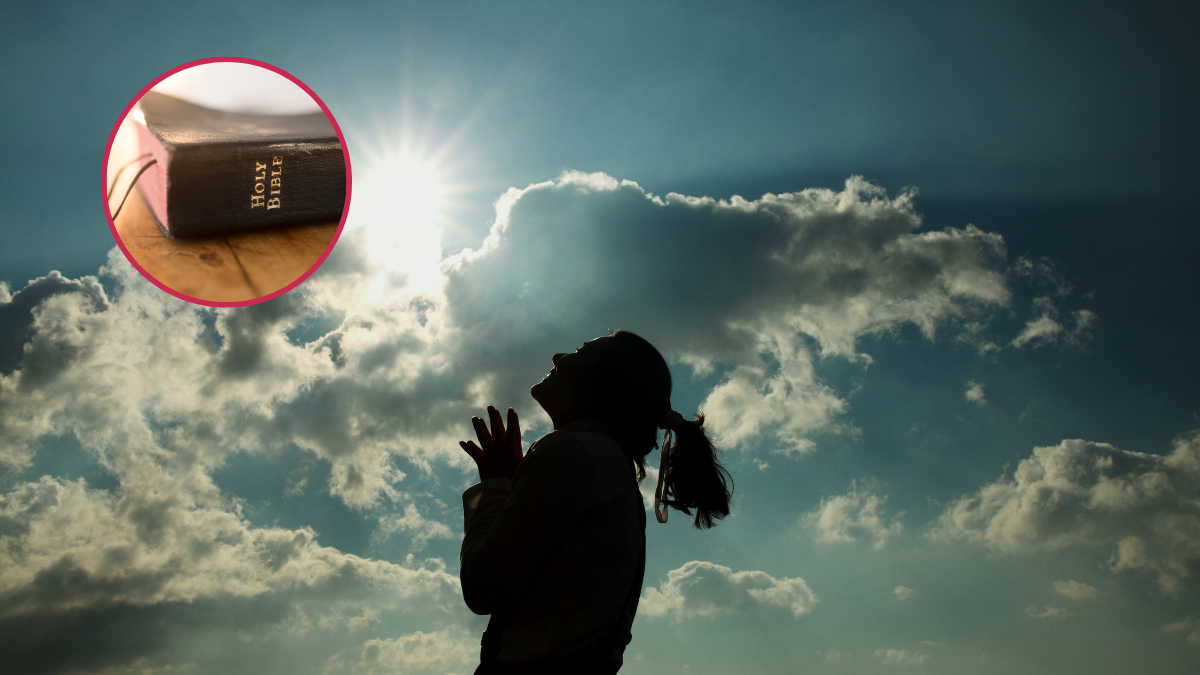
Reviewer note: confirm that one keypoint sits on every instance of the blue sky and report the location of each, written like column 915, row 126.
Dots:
column 944, row 332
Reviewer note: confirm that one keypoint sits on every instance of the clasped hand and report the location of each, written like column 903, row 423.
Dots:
column 498, row 452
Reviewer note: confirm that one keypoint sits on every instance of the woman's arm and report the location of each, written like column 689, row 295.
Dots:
column 517, row 524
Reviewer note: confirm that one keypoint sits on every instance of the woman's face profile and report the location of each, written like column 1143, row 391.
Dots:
column 563, row 392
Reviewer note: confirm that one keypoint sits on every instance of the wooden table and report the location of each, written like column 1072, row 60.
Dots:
column 221, row 268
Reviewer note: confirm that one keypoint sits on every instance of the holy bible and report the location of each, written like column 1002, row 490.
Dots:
column 218, row 172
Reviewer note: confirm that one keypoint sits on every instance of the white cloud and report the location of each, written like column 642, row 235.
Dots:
column 1048, row 612
column 1046, row 327
column 442, row 652
column 1042, row 329
column 974, row 393
column 1075, row 590
column 647, row 486
column 707, row 589
column 1079, row 492
column 1189, row 627
column 417, row 526
column 791, row 403
column 903, row 592
column 901, row 657
column 852, row 516
column 1085, row 321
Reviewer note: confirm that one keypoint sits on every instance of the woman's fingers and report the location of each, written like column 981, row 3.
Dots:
column 498, row 435
column 499, row 451
column 514, row 434
column 485, row 439
column 473, row 450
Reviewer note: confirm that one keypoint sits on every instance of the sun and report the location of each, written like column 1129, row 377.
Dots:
column 401, row 206
column 408, row 192
column 411, row 187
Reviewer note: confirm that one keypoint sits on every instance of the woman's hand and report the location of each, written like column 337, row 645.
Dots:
column 498, row 452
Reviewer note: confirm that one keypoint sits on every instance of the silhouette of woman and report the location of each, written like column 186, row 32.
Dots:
column 555, row 546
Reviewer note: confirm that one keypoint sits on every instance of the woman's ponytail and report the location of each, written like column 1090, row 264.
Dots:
column 632, row 394
column 694, row 477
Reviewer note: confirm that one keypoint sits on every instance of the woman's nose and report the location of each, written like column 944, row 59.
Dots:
column 554, row 359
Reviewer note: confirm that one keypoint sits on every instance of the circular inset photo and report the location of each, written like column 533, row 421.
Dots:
column 226, row 182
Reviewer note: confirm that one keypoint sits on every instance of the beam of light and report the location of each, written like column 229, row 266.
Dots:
column 401, row 205
column 414, row 192
column 411, row 188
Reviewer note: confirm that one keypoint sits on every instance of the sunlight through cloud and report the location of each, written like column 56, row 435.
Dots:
column 400, row 207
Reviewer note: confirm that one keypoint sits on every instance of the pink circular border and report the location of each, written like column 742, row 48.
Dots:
column 113, row 227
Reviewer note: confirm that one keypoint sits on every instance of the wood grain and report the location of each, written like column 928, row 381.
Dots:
column 223, row 268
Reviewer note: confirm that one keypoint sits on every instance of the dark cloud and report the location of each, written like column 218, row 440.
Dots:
column 90, row 579
column 43, row 359
column 744, row 285
column 246, row 330
column 700, row 276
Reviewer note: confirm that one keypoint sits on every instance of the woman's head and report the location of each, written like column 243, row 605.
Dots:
column 616, row 375
column 621, row 380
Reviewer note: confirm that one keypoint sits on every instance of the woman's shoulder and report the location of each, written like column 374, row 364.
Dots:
column 590, row 447
column 581, row 445
column 558, row 442
column 557, row 451
column 584, row 437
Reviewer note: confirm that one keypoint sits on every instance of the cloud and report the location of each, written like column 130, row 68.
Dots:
column 830, row 655
column 167, row 555
column 379, row 359
column 854, row 515
column 1084, row 493
column 420, row 528
column 441, row 652
column 388, row 349
column 974, row 393
column 69, row 547
column 764, row 262
column 1189, row 627
column 901, row 657
column 752, row 286
column 903, row 593
column 1041, row 329
column 707, row 589
column 1048, row 613
column 1085, row 320
column 145, row 375
column 1075, row 590
column 16, row 311
column 1046, row 328
column 791, row 403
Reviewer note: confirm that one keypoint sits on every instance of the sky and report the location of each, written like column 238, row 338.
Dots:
column 928, row 268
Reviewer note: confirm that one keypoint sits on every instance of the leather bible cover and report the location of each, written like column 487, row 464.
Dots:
column 221, row 172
